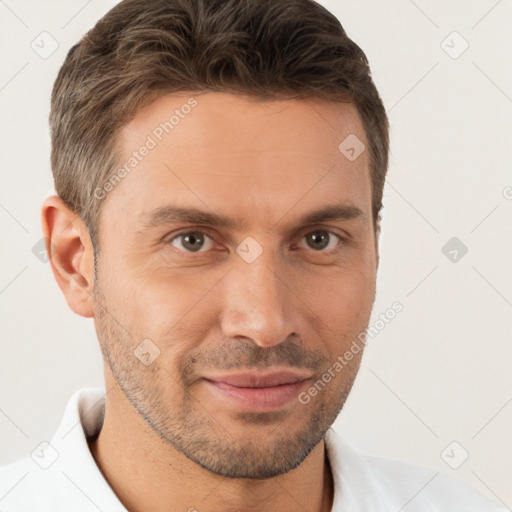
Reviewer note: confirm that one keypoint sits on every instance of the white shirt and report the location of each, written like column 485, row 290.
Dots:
column 62, row 476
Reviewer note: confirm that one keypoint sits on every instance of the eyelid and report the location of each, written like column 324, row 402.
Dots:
column 342, row 235
column 328, row 251
column 167, row 240
column 205, row 231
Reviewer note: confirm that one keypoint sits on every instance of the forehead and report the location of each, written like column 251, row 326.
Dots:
column 219, row 119
column 223, row 152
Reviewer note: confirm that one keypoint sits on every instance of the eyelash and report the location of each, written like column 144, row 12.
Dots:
column 327, row 252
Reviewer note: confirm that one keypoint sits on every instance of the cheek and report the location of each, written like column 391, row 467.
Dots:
column 340, row 311
column 174, row 312
column 168, row 298
column 345, row 297
column 143, row 295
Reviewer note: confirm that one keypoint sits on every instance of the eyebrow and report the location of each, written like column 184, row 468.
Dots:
column 174, row 214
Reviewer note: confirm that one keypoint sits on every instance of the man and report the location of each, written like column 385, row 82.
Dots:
column 219, row 168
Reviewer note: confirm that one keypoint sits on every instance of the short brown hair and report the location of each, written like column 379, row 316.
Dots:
column 140, row 50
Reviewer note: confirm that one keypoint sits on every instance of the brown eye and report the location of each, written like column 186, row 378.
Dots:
column 320, row 240
column 192, row 241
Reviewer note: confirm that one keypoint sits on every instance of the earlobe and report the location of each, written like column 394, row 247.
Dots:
column 70, row 253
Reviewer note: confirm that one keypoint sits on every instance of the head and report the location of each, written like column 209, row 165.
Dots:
column 219, row 168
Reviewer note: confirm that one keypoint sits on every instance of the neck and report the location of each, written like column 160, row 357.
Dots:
column 147, row 474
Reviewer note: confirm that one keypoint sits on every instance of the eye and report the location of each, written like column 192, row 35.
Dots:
column 322, row 240
column 319, row 240
column 192, row 241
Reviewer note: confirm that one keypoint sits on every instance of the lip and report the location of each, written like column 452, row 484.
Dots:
column 261, row 380
column 256, row 391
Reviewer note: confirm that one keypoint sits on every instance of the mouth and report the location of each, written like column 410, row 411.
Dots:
column 256, row 391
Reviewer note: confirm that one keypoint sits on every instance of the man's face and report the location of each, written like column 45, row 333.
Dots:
column 210, row 301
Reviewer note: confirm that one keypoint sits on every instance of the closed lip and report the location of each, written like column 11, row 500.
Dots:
column 261, row 380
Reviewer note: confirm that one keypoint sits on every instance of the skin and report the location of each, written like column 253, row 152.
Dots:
column 168, row 441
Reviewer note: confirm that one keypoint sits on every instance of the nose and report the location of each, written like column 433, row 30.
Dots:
column 257, row 302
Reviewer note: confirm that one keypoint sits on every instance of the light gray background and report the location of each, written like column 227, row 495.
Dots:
column 441, row 370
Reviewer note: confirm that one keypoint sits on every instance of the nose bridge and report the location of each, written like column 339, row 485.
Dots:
column 256, row 299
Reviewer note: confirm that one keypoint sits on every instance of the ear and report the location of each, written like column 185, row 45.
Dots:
column 70, row 253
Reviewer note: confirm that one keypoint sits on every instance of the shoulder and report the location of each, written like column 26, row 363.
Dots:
column 368, row 482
